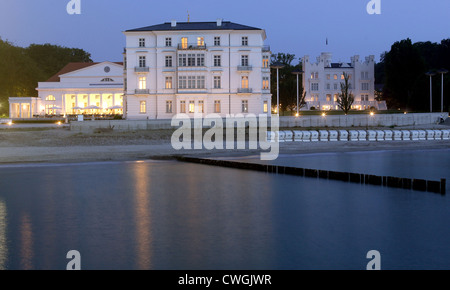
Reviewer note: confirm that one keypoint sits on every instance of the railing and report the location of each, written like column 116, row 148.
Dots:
column 141, row 69
column 191, row 46
column 244, row 91
column 266, row 48
column 244, row 68
column 142, row 91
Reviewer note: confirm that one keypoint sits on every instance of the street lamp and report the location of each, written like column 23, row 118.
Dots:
column 431, row 74
column 297, row 72
column 278, row 65
column 442, row 71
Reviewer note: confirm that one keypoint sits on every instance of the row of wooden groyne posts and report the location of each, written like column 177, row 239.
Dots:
column 359, row 178
column 357, row 135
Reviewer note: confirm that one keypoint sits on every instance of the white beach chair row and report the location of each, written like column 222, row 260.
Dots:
column 357, row 135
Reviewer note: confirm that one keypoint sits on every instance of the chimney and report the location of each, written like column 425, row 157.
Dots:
column 219, row 21
column 174, row 23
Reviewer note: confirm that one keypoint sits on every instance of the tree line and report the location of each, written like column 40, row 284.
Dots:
column 22, row 68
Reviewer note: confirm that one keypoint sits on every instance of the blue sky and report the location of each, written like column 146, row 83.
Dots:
column 298, row 27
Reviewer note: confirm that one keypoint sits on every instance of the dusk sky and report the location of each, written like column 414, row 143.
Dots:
column 298, row 27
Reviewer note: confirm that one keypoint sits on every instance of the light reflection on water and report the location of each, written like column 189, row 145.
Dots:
column 170, row 215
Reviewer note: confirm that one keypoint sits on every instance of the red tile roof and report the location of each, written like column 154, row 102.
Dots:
column 73, row 66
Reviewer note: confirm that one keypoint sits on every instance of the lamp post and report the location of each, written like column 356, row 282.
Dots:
column 442, row 71
column 431, row 74
column 278, row 65
column 297, row 72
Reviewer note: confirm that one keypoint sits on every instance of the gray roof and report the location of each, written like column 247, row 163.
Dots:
column 226, row 25
column 340, row 65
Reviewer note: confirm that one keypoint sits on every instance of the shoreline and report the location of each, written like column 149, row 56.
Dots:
column 64, row 146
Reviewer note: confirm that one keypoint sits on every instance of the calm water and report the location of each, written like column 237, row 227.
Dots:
column 170, row 215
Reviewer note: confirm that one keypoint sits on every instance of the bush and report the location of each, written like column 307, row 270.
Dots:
column 312, row 108
column 117, row 117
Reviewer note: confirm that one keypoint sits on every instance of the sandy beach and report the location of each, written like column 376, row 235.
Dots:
column 60, row 145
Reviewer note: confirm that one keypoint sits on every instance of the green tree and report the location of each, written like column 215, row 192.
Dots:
column 345, row 99
column 288, row 81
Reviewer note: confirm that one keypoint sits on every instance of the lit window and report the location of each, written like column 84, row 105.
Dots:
column 143, row 107
column 265, row 61
column 216, row 106
column 244, row 82
column 200, row 41
column 266, row 106
column 50, row 98
column 142, row 83
column 265, row 85
column 335, row 77
column 168, row 82
column 328, row 98
column 184, row 43
column 191, row 106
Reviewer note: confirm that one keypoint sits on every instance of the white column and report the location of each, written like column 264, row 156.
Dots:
column 20, row 110
column 10, row 110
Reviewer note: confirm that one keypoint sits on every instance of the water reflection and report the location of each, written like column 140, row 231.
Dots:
column 26, row 237
column 3, row 244
column 143, row 216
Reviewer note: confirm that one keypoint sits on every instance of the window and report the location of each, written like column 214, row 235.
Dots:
column 143, row 107
column 364, row 86
column 265, row 84
column 182, row 106
column 216, row 40
column 265, row 107
column 244, row 60
column 335, row 76
column 265, row 61
column 216, row 106
column 182, row 82
column 191, row 82
column 168, row 61
column 50, row 98
column 217, row 82
column 217, row 61
column 141, row 42
column 191, row 60
column 244, row 41
column 142, row 61
column 314, row 75
column 342, row 76
column 200, row 41
column 107, row 80
column 200, row 59
column 364, row 97
column 184, row 43
column 142, row 83
column 244, row 82
column 200, row 107
column 328, row 86
column 200, row 82
column 328, row 98
column 182, row 60
column 364, row 75
column 168, row 41
column 168, row 82
column 314, row 86
column 191, row 106
column 328, row 77
column 335, row 97
column 168, row 106
column 244, row 106
column 335, row 86
column 349, row 76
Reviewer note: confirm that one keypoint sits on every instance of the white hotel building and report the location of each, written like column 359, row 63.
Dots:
column 196, row 67
column 322, row 79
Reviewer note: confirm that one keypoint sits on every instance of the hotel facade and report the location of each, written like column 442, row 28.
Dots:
column 75, row 89
column 196, row 68
column 322, row 79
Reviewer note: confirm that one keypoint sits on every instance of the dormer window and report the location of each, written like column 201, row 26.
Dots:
column 141, row 42
column 107, row 80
